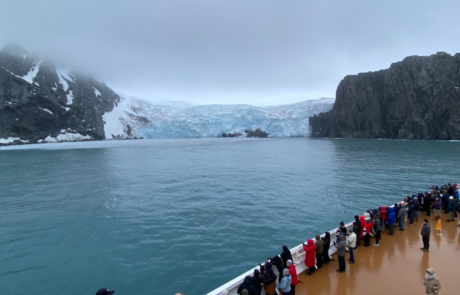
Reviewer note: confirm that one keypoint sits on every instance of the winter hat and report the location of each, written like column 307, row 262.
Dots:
column 268, row 265
column 341, row 223
column 289, row 261
column 104, row 291
column 430, row 271
column 350, row 230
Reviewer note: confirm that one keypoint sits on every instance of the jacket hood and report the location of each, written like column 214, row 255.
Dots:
column 391, row 209
column 317, row 237
column 285, row 248
column 356, row 217
column 247, row 281
column 310, row 242
column 361, row 218
column 268, row 265
column 341, row 238
column 328, row 235
column 256, row 272
column 384, row 208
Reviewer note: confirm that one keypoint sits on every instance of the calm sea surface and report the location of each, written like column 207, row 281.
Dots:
column 187, row 215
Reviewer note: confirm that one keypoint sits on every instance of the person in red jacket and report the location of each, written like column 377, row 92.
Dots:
column 367, row 237
column 293, row 273
column 310, row 256
column 383, row 214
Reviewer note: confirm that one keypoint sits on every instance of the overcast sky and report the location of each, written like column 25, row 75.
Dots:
column 236, row 51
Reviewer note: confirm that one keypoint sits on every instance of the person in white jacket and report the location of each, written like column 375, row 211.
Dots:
column 351, row 239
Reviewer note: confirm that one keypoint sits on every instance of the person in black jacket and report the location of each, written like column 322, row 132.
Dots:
column 327, row 245
column 427, row 203
column 257, row 281
column 357, row 231
column 417, row 208
column 269, row 282
column 286, row 255
column 247, row 284
column 278, row 263
column 358, row 223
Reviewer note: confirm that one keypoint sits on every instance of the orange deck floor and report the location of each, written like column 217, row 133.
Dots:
column 397, row 266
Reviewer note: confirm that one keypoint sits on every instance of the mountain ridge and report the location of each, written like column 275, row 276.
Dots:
column 416, row 98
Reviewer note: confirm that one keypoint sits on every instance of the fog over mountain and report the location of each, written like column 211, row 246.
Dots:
column 235, row 52
column 44, row 102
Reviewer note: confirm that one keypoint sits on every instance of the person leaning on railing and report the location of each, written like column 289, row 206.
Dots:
column 270, row 282
column 247, row 285
column 293, row 273
column 341, row 251
column 257, row 281
column 327, row 244
column 285, row 285
column 319, row 249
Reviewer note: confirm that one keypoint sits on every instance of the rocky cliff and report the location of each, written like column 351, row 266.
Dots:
column 41, row 102
column 417, row 98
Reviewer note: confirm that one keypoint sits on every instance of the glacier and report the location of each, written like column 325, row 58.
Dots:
column 137, row 118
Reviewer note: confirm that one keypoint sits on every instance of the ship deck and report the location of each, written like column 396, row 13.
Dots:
column 397, row 266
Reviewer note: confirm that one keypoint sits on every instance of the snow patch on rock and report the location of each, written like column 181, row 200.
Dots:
column 97, row 92
column 46, row 110
column 63, row 74
column 67, row 136
column 30, row 76
column 11, row 140
column 70, row 98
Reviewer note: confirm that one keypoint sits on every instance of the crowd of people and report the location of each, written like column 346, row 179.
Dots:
column 370, row 224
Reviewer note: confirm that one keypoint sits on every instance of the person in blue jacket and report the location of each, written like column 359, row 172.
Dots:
column 391, row 220
column 411, row 212
column 445, row 202
column 451, row 206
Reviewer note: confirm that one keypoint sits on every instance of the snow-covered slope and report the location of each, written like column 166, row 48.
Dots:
column 135, row 117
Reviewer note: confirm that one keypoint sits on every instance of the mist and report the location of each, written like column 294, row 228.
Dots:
column 221, row 52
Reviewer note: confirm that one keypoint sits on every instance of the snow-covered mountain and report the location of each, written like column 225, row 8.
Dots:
column 135, row 117
column 43, row 102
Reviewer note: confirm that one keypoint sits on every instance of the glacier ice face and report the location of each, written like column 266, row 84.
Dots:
column 135, row 117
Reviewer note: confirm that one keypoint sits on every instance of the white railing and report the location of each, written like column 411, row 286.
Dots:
column 298, row 257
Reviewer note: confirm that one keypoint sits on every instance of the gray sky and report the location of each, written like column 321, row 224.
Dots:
column 261, row 52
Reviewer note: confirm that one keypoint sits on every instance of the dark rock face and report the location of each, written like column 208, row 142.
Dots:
column 39, row 100
column 417, row 98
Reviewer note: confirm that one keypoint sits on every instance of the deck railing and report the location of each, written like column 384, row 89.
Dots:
column 298, row 257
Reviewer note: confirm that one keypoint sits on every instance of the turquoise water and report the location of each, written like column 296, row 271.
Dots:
column 188, row 215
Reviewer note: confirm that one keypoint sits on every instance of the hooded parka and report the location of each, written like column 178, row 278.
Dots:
column 363, row 224
column 309, row 253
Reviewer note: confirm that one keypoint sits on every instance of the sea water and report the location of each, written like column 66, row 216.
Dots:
column 187, row 215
